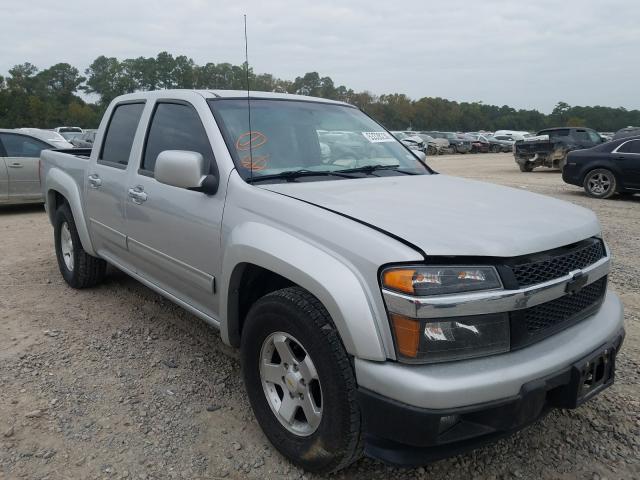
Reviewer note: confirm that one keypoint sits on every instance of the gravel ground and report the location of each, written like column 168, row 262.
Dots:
column 116, row 382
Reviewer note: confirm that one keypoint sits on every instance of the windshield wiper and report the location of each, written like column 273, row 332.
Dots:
column 291, row 175
column 368, row 169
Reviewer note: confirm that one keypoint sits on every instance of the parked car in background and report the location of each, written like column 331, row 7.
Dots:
column 507, row 138
column 479, row 144
column 496, row 145
column 69, row 136
column 441, row 142
column 514, row 134
column 606, row 169
column 19, row 163
column 456, row 144
column 85, row 140
column 626, row 132
column 49, row 136
column 608, row 136
column 549, row 147
column 411, row 141
column 363, row 324
column 68, row 130
column 433, row 148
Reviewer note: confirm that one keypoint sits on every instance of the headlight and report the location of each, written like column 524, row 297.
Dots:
column 445, row 339
column 440, row 280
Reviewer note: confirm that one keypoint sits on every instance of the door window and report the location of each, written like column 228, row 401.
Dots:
column 595, row 138
column 21, row 146
column 121, row 131
column 176, row 126
column 632, row 146
column 581, row 135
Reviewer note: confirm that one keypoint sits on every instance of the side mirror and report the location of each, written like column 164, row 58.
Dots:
column 420, row 154
column 183, row 169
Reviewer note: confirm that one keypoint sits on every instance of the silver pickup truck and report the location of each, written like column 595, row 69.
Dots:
column 379, row 307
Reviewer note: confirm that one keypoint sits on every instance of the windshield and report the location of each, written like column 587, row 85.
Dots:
column 295, row 135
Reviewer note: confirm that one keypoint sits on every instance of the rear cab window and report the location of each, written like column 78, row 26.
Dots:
column 121, row 131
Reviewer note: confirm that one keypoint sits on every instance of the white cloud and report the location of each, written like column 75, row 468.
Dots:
column 528, row 55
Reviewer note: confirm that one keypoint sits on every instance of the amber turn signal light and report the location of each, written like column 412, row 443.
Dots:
column 399, row 279
column 407, row 331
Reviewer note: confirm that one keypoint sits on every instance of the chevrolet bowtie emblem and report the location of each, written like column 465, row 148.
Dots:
column 578, row 280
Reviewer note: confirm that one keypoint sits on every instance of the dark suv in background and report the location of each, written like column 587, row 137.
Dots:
column 549, row 148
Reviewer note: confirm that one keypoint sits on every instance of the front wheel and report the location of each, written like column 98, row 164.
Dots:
column 525, row 167
column 300, row 381
column 78, row 268
column 600, row 183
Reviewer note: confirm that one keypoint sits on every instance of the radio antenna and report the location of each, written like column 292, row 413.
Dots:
column 246, row 68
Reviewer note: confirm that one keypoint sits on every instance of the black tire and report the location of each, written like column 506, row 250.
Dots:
column 86, row 271
column 337, row 440
column 525, row 167
column 495, row 148
column 600, row 183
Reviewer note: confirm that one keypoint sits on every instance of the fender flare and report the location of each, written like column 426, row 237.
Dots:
column 328, row 278
column 62, row 183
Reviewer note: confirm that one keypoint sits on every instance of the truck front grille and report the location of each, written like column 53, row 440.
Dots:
column 536, row 323
column 559, row 264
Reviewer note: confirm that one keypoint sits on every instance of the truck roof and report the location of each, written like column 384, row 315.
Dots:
column 254, row 94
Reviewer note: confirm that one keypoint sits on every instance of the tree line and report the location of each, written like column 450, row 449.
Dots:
column 53, row 97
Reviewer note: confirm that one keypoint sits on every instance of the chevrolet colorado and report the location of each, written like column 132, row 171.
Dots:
column 379, row 307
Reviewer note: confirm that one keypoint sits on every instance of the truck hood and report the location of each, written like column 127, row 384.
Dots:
column 443, row 215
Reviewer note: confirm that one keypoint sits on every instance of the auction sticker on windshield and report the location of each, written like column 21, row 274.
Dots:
column 378, row 137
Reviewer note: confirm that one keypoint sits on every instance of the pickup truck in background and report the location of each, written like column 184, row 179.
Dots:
column 368, row 319
column 549, row 148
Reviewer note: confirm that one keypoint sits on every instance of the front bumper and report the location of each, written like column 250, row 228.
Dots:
column 401, row 434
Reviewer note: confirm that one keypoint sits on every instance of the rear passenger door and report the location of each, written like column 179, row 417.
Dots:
column 174, row 233
column 21, row 159
column 627, row 157
column 106, row 183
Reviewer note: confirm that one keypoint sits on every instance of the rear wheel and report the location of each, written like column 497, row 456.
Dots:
column 78, row 268
column 300, row 381
column 600, row 183
column 495, row 148
column 525, row 167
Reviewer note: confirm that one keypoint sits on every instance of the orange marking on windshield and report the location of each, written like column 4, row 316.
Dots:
column 252, row 139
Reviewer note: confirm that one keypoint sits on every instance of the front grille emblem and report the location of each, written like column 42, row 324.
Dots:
column 578, row 280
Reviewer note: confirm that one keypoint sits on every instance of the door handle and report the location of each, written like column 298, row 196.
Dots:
column 15, row 165
column 94, row 181
column 138, row 195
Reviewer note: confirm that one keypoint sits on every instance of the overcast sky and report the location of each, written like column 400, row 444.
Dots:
column 524, row 54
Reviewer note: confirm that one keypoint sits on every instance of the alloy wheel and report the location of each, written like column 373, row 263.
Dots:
column 291, row 384
column 66, row 246
column 599, row 183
